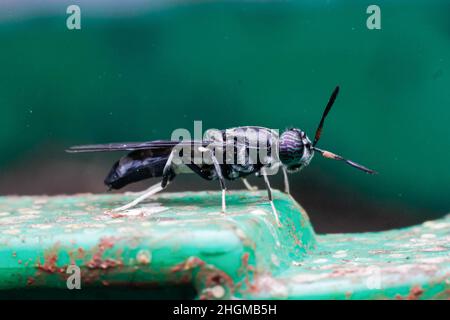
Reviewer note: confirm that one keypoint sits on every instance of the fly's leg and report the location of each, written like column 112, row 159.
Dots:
column 219, row 175
column 146, row 194
column 136, row 193
column 286, row 180
column 248, row 185
column 269, row 194
column 139, row 193
column 221, row 180
column 167, row 171
column 167, row 176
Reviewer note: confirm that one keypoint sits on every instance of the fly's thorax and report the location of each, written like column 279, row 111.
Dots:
column 295, row 149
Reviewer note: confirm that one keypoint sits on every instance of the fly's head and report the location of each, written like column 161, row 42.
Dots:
column 295, row 150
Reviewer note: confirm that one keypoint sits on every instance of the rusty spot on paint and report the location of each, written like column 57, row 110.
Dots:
column 296, row 239
column 81, row 253
column 50, row 259
column 77, row 254
column 30, row 281
column 264, row 282
column 415, row 293
column 115, row 215
column 215, row 279
column 245, row 258
column 247, row 269
column 208, row 276
column 218, row 277
column 97, row 261
column 186, row 278
column 103, row 264
column 190, row 263
column 143, row 257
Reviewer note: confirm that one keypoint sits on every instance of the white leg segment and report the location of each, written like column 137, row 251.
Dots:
column 219, row 175
column 224, row 204
column 269, row 193
column 248, row 185
column 286, row 180
column 146, row 194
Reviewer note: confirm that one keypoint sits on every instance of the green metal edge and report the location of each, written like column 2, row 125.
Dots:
column 181, row 245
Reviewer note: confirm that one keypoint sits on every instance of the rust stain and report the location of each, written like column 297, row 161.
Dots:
column 143, row 257
column 342, row 272
column 293, row 233
column 247, row 269
column 218, row 277
column 245, row 264
column 190, row 263
column 115, row 215
column 81, row 253
column 186, row 278
column 104, row 264
column 265, row 282
column 207, row 276
column 214, row 278
column 414, row 294
column 95, row 265
column 97, row 261
column 50, row 261
column 296, row 239
column 77, row 254
column 30, row 281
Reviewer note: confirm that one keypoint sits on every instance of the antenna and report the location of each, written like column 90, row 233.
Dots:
column 331, row 155
column 324, row 115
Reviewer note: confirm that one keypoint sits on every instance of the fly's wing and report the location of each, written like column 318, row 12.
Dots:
column 132, row 146
column 147, row 145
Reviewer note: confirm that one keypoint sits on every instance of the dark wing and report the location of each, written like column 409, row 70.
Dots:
column 156, row 144
column 131, row 146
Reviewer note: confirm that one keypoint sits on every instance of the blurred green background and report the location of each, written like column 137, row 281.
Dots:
column 139, row 69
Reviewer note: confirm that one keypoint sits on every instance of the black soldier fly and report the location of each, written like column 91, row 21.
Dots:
column 293, row 151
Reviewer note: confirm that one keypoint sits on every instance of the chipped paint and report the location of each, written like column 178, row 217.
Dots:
column 183, row 239
column 144, row 257
column 98, row 261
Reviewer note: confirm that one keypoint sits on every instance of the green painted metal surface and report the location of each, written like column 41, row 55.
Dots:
column 179, row 245
column 232, row 63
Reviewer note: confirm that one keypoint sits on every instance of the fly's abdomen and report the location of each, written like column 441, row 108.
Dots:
column 134, row 168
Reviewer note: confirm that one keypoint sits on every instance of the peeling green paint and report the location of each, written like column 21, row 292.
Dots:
column 182, row 240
